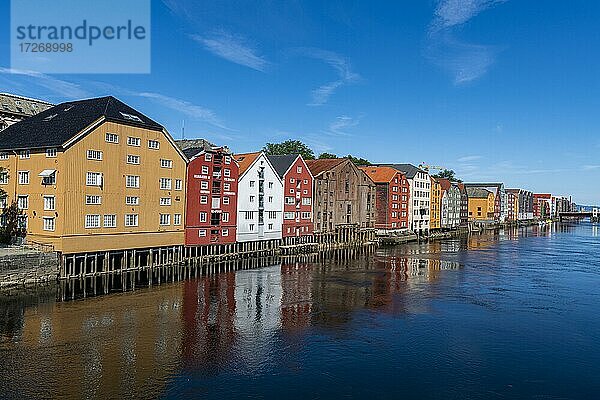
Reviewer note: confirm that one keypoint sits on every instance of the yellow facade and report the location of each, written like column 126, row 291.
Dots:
column 481, row 208
column 70, row 191
column 435, row 205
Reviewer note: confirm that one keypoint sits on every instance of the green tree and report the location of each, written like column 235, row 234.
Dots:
column 289, row 147
column 447, row 174
column 358, row 161
column 12, row 224
column 327, row 155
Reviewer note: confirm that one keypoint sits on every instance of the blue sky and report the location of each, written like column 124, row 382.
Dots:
column 496, row 90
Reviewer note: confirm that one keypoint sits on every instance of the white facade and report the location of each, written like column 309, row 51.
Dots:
column 420, row 197
column 450, row 212
column 260, row 202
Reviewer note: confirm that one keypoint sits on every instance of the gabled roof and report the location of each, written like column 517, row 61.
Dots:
column 478, row 193
column 282, row 163
column 380, row 174
column 445, row 183
column 193, row 147
column 245, row 160
column 317, row 167
column 407, row 169
column 59, row 124
column 23, row 106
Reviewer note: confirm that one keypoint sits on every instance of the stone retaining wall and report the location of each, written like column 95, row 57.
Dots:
column 27, row 269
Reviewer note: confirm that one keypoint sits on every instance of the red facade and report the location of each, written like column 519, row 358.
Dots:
column 297, row 200
column 541, row 205
column 212, row 187
column 392, row 197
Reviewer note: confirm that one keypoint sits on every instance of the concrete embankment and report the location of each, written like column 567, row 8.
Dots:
column 21, row 266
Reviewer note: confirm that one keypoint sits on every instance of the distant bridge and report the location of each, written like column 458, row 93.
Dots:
column 593, row 215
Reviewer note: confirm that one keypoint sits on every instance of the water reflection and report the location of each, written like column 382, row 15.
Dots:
column 214, row 335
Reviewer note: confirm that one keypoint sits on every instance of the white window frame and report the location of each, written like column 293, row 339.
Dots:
column 90, row 221
column 134, row 141
column 164, row 219
column 178, row 184
column 152, row 146
column 165, row 201
column 105, row 220
column 95, row 155
column 132, row 200
column 134, row 220
column 49, row 203
column 111, row 138
column 23, row 177
column 164, row 163
column 132, row 181
column 93, row 199
column 95, row 181
column 51, row 152
column 24, row 154
column 165, row 183
column 49, row 224
column 176, row 219
column 133, row 159
column 25, row 204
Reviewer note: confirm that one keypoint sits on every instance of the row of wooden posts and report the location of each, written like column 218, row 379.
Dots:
column 115, row 262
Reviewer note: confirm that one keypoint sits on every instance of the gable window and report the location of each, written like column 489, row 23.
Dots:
column 132, row 181
column 131, row 220
column 94, row 155
column 92, row 221
column 204, row 170
column 24, row 154
column 3, row 156
column 270, row 185
column 153, row 144
column 23, row 177
column 133, row 159
column 110, row 221
column 207, row 157
column 131, row 117
column 93, row 179
column 112, row 138
column 227, row 160
column 166, row 163
column 134, row 141
column 165, row 183
column 227, row 172
column 51, row 153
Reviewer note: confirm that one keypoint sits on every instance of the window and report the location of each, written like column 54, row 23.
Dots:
column 305, row 215
column 225, row 232
column 93, row 179
column 132, row 200
column 178, row 184
column 132, row 181
column 225, row 200
column 251, row 183
column 92, row 221
column 299, row 169
column 202, row 217
column 203, row 199
column 176, row 219
column 166, row 163
column 153, row 144
column 251, row 199
column 94, row 155
column 131, row 117
column 51, row 153
column 3, row 178
column 24, row 154
column 165, row 201
column 204, row 185
column 227, row 172
column 132, row 159
column 306, row 201
column 3, row 204
column 225, row 217
column 251, row 227
column 23, row 202
column 292, row 191
column 216, row 203
column 249, row 214
column 202, row 232
column 92, row 199
column 165, row 219
column 227, row 160
column 270, row 199
column 289, row 200
column 289, row 215
column 131, row 220
column 270, row 227
column 272, row 214
column 134, row 141
column 49, row 203
column 227, row 187
column 3, row 156
column 292, row 180
column 204, row 170
column 110, row 221
column 207, row 157
column 49, row 224
column 48, row 177
column 270, row 185
column 23, row 177
column 112, row 138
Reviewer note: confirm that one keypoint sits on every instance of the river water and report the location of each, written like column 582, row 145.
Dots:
column 510, row 315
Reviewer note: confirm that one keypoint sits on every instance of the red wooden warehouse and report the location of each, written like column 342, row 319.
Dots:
column 392, row 197
column 212, row 187
column 297, row 192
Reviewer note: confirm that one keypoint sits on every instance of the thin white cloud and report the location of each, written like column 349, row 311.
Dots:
column 191, row 110
column 58, row 87
column 467, row 159
column 590, row 167
column 451, row 13
column 232, row 48
column 341, row 124
column 466, row 62
column 342, row 67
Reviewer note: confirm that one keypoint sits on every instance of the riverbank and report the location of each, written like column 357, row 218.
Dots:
column 22, row 266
